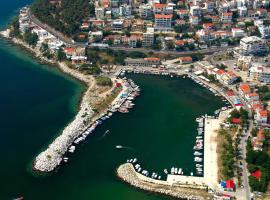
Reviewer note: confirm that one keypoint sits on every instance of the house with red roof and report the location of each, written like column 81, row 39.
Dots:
column 185, row 60
column 244, row 89
column 252, row 97
column 261, row 116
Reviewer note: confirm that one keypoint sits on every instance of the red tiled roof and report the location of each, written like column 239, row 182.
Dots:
column 162, row 16
column 220, row 72
column 245, row 88
column 230, row 93
column 160, row 5
column 152, row 59
column 263, row 113
column 236, row 120
column 187, row 58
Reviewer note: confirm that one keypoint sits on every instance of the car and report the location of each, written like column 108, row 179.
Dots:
column 240, row 174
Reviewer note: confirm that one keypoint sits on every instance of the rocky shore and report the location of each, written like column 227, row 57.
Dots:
column 127, row 173
column 50, row 158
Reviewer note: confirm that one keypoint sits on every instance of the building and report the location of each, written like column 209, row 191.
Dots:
column 163, row 22
column 195, row 11
column 185, row 60
column 258, row 72
column 238, row 33
column 143, row 62
column 244, row 89
column 226, row 17
column 252, row 45
column 148, row 37
column 265, row 31
column 99, row 12
column 145, row 11
column 204, row 35
column 117, row 25
column 261, row 116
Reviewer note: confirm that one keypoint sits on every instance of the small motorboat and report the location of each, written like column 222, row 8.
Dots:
column 119, row 147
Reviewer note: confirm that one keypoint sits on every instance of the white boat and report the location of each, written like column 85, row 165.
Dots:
column 165, row 171
column 118, row 146
column 198, row 159
column 72, row 149
column 197, row 153
column 179, row 171
column 199, row 165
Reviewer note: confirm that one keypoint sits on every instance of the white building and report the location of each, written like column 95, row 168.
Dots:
column 238, row 33
column 252, row 45
column 145, row 11
column 148, row 37
column 195, row 10
column 265, row 31
column 99, row 12
column 259, row 72
column 163, row 22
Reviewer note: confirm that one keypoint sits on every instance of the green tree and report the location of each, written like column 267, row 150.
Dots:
column 103, row 81
column 30, row 38
column 61, row 55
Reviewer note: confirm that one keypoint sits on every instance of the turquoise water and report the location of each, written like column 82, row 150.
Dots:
column 37, row 101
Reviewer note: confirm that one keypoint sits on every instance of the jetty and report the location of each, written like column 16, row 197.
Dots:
column 127, row 173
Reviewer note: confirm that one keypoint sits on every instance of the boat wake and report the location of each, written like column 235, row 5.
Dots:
column 124, row 147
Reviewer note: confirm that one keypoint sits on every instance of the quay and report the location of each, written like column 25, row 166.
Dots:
column 127, row 173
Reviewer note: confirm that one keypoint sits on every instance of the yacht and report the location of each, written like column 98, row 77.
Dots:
column 197, row 153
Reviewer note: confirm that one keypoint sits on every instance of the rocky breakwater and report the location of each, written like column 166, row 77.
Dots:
column 127, row 173
column 49, row 159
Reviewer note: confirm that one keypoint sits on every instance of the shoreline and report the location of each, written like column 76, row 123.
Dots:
column 83, row 119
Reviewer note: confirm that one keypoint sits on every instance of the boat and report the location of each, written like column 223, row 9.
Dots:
column 198, row 159
column 165, row 171
column 191, row 173
column 199, row 165
column 197, row 153
column 72, row 149
column 118, row 146
column 179, row 171
column 65, row 159
column 19, row 198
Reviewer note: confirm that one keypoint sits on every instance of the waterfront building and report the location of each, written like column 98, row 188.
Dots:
column 185, row 60
column 143, row 62
column 148, row 37
column 252, row 45
column 163, row 22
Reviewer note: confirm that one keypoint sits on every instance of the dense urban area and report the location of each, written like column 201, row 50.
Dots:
column 222, row 45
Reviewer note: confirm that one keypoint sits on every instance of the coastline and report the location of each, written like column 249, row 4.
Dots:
column 50, row 158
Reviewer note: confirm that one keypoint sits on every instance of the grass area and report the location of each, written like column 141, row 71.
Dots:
column 226, row 153
column 104, row 103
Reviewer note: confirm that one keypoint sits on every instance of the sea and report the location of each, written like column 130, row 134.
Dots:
column 37, row 101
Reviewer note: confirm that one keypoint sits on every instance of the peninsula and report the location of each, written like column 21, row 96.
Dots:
column 218, row 45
